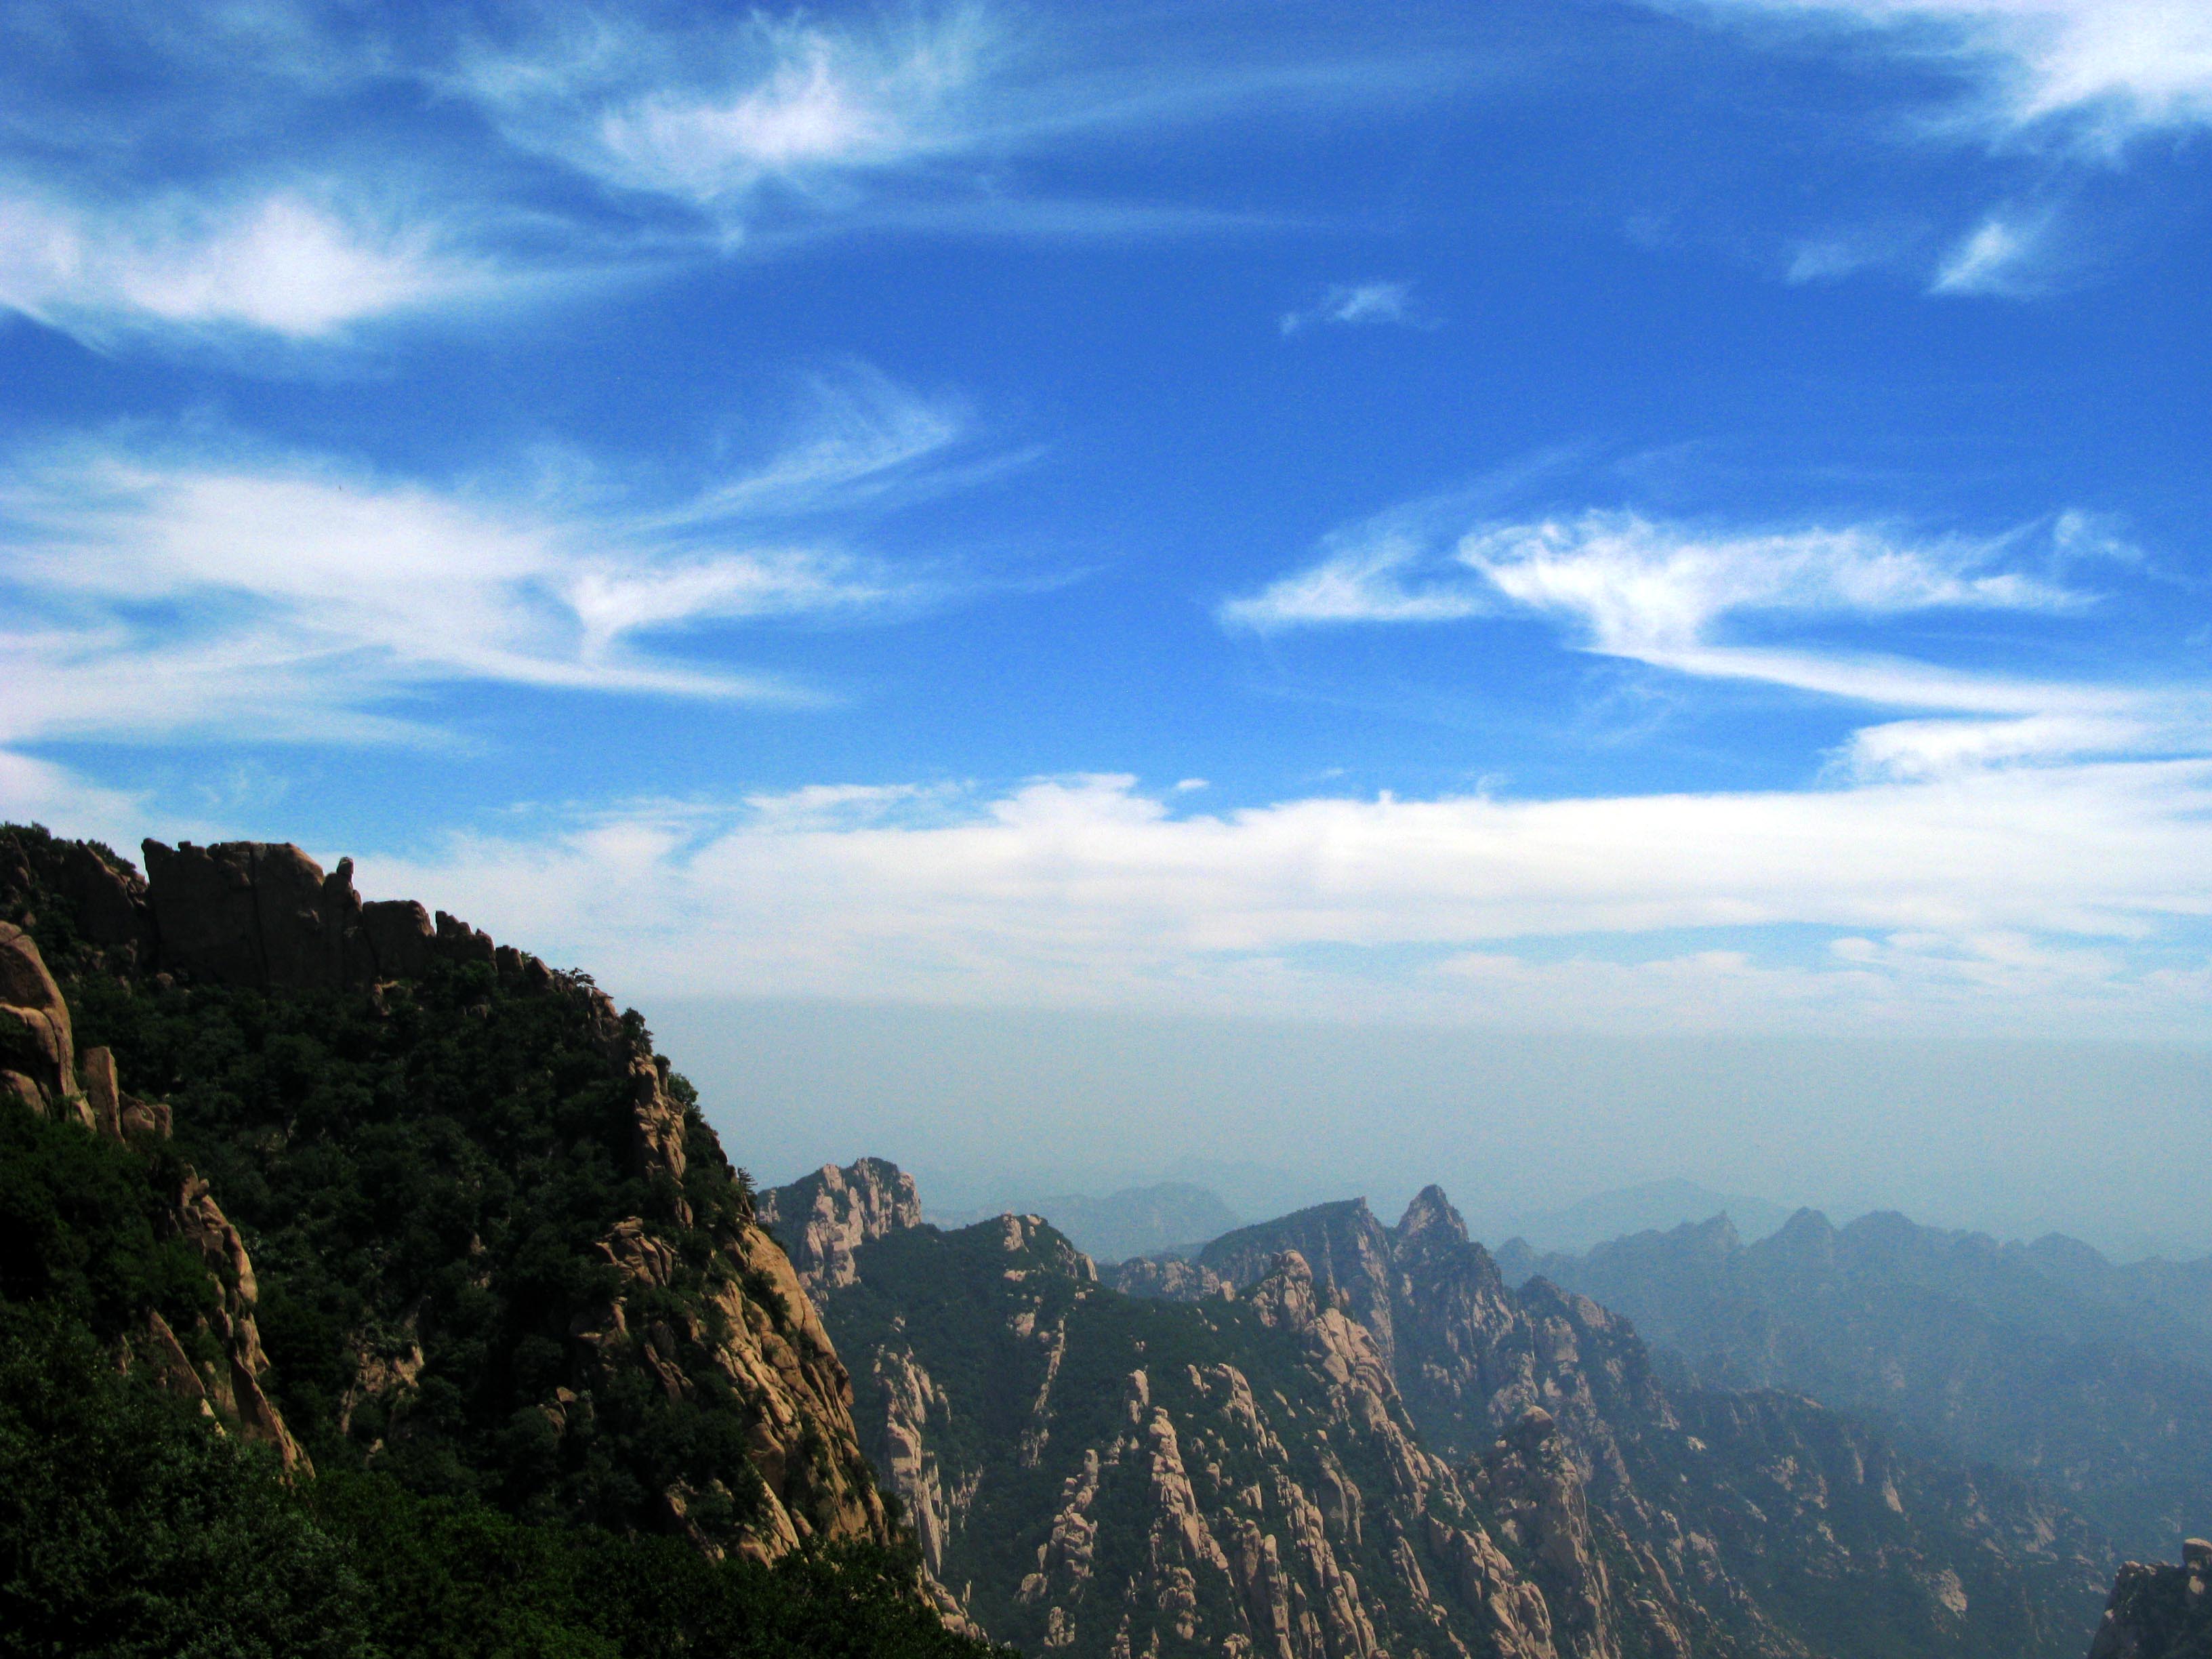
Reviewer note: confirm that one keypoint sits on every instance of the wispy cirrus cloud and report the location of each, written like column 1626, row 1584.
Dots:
column 2065, row 92
column 430, row 160
column 2004, row 255
column 713, row 115
column 1636, row 588
column 1757, row 607
column 157, row 588
column 2099, row 73
column 1356, row 305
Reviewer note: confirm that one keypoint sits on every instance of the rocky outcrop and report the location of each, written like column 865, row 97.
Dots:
column 823, row 1218
column 759, row 1333
column 263, row 913
column 2160, row 1612
column 38, row 1047
column 1172, row 1278
column 1348, row 1248
column 1530, row 1485
column 57, row 1080
column 257, row 914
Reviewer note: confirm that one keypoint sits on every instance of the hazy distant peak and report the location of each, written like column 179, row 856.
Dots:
column 1807, row 1230
column 2064, row 1250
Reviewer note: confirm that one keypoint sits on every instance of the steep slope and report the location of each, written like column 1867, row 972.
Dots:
column 2043, row 1358
column 1097, row 1474
column 177, row 1295
column 1771, row 1512
column 495, row 1251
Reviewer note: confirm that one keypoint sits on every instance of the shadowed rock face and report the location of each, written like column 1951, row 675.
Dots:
column 263, row 914
column 1349, row 1251
column 2160, row 1612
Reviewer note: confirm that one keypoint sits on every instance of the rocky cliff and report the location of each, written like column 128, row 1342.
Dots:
column 499, row 1251
column 1105, row 1474
column 822, row 1218
column 1775, row 1523
column 1097, row 1474
column 2160, row 1612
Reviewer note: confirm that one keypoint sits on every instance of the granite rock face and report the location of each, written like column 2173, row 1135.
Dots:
column 1107, row 1478
column 823, row 1218
column 1172, row 1277
column 1093, row 1474
column 2160, row 1612
column 38, row 1047
column 263, row 914
column 1755, row 1523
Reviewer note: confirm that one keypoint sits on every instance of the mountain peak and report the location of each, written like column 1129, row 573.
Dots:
column 1430, row 1215
column 1806, row 1232
column 821, row 1218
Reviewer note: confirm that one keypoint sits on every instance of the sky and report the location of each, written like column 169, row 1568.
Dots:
column 1612, row 516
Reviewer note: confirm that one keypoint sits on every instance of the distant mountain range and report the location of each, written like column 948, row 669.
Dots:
column 1170, row 1216
column 2043, row 1358
column 1654, row 1204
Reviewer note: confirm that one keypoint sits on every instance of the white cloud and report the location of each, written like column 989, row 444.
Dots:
column 1356, row 305
column 1645, row 589
column 711, row 117
column 2000, row 257
column 2019, row 891
column 1832, row 257
column 158, row 590
column 1363, row 578
column 2099, row 71
column 279, row 265
column 1924, row 749
column 1660, row 593
column 1672, row 596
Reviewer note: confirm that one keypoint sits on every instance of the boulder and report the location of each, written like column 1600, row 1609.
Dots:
column 36, row 1042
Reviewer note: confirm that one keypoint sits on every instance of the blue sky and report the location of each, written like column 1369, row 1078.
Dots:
column 1632, row 516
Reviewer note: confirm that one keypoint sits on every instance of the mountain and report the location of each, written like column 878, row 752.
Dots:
column 1840, row 1536
column 2043, row 1358
column 1170, row 1216
column 434, row 1225
column 1652, row 1205
column 2160, row 1612
column 1103, row 1474
column 1336, row 1436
